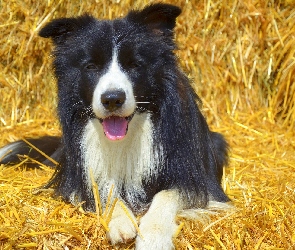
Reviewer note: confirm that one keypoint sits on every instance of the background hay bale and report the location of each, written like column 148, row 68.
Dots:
column 240, row 57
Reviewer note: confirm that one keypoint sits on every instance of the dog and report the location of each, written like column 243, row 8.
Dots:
column 129, row 114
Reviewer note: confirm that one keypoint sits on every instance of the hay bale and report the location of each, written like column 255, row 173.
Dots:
column 240, row 56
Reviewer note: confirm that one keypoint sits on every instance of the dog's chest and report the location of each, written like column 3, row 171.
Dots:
column 122, row 164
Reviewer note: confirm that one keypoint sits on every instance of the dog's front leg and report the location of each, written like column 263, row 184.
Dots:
column 158, row 225
column 121, row 227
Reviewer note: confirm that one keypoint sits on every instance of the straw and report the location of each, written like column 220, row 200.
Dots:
column 239, row 56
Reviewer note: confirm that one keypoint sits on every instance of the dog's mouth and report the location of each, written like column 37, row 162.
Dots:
column 115, row 127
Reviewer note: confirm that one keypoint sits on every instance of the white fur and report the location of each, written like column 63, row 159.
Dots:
column 124, row 162
column 158, row 225
column 121, row 227
column 114, row 79
column 203, row 214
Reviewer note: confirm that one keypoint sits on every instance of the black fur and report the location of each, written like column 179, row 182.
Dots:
column 48, row 144
column 193, row 155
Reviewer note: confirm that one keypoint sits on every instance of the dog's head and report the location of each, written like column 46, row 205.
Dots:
column 112, row 69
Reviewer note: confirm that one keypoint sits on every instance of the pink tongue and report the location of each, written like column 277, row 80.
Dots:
column 115, row 127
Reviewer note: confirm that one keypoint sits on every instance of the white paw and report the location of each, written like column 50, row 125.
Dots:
column 121, row 230
column 155, row 235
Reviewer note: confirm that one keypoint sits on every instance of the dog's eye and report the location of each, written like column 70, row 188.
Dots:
column 91, row 66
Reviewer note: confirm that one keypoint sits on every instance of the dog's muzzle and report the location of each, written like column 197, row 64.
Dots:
column 114, row 126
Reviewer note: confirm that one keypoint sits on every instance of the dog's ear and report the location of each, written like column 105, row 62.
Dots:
column 158, row 17
column 62, row 28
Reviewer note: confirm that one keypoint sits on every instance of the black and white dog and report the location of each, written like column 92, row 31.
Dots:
column 129, row 114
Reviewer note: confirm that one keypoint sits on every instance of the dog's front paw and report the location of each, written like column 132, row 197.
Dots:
column 155, row 234
column 158, row 225
column 121, row 228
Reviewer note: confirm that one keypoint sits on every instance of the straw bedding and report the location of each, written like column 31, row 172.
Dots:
column 240, row 57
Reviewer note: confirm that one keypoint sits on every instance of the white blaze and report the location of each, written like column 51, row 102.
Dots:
column 114, row 79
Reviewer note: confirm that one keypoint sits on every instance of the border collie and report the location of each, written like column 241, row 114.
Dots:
column 129, row 114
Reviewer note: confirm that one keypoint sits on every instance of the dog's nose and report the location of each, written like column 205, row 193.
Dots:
column 112, row 100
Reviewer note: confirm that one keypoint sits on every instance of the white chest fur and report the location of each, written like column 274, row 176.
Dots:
column 125, row 163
